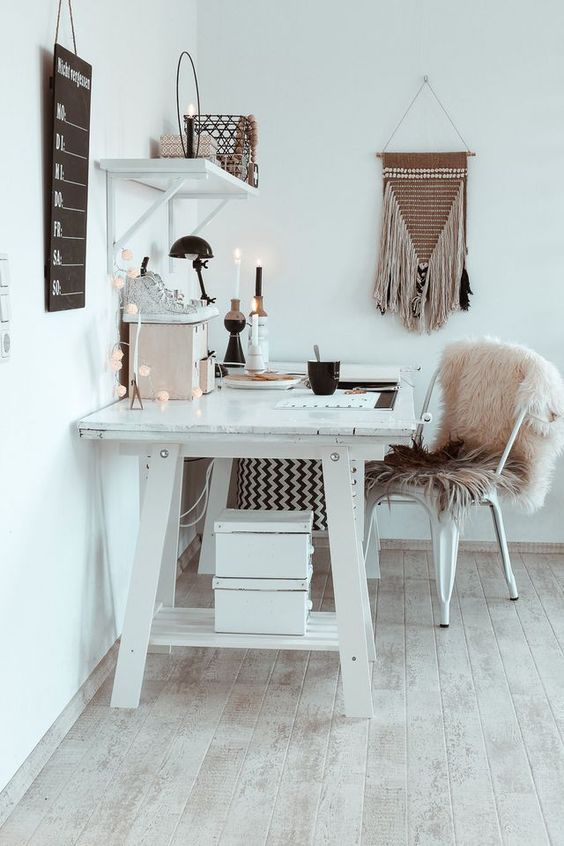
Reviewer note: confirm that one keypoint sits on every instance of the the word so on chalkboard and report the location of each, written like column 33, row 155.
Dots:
column 66, row 265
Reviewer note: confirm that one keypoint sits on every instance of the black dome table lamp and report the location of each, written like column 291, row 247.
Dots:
column 199, row 252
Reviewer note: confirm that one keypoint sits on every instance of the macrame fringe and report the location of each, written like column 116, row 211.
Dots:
column 445, row 267
column 396, row 282
column 423, row 296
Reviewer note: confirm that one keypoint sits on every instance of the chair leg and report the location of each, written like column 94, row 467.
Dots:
column 445, row 536
column 497, row 517
column 371, row 544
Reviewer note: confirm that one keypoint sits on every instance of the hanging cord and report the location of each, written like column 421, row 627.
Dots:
column 405, row 114
column 72, row 24
column 204, row 495
column 186, row 53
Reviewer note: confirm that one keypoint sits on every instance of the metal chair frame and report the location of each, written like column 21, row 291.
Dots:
column 445, row 531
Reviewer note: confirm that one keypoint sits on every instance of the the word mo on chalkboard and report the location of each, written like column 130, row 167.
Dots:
column 66, row 265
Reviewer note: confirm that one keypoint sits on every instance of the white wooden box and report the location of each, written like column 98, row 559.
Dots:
column 173, row 351
column 262, row 606
column 263, row 544
column 207, row 374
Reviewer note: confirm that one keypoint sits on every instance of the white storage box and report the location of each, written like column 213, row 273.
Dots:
column 263, row 544
column 174, row 351
column 262, row 606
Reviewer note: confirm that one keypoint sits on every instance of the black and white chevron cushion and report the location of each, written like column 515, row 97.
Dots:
column 282, row 484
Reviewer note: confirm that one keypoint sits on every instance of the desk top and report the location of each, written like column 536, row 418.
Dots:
column 237, row 412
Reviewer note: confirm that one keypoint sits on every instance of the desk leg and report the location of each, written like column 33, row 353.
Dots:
column 145, row 576
column 167, row 579
column 217, row 501
column 349, row 582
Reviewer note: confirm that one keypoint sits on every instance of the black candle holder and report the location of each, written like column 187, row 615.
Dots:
column 234, row 321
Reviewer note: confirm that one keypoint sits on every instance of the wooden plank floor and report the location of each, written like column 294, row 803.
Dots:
column 250, row 748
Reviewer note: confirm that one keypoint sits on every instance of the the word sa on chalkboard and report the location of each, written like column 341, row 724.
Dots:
column 66, row 264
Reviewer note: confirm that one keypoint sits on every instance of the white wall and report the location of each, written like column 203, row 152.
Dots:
column 66, row 540
column 328, row 82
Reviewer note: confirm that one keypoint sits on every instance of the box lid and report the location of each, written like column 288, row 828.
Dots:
column 284, row 585
column 237, row 520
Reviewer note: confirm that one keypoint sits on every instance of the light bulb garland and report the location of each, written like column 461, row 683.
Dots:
column 118, row 281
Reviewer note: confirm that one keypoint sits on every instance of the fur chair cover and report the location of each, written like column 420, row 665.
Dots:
column 484, row 386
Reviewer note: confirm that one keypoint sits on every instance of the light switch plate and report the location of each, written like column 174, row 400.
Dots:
column 5, row 343
column 4, row 271
column 4, row 307
column 5, row 336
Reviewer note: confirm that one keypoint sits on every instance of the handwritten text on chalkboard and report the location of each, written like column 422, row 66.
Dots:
column 69, row 181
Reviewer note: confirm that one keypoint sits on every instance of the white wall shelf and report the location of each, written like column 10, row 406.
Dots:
column 195, row 179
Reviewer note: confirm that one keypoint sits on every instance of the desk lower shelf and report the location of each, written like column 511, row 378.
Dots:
column 195, row 627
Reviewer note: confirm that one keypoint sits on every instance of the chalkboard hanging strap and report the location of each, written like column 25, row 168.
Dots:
column 72, row 24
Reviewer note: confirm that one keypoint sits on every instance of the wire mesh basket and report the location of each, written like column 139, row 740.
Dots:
column 236, row 139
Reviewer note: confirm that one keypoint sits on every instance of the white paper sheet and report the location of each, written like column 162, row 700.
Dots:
column 339, row 399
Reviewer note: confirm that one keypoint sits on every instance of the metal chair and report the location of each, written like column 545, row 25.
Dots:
column 445, row 531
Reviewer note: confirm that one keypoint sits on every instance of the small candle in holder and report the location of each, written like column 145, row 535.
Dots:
column 254, row 330
column 189, row 120
column 258, row 279
column 237, row 257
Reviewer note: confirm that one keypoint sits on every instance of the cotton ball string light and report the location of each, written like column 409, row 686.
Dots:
column 132, row 272
column 126, row 255
column 162, row 396
column 120, row 391
column 197, row 393
column 118, row 282
column 144, row 370
column 131, row 308
column 118, row 353
column 115, row 364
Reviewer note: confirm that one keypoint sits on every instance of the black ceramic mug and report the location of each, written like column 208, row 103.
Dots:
column 323, row 376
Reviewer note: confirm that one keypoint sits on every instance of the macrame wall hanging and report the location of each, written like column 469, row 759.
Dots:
column 421, row 269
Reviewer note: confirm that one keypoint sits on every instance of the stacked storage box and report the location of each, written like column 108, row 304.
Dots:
column 263, row 571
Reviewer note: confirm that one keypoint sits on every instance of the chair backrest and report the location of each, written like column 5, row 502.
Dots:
column 493, row 393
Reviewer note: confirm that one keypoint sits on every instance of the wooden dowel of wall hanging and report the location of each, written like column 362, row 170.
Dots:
column 468, row 153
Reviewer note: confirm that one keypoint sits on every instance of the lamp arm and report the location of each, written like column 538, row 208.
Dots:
column 197, row 264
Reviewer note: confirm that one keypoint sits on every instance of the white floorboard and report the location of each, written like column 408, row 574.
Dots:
column 251, row 748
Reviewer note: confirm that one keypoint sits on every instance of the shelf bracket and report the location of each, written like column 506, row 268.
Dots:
column 113, row 243
column 215, row 211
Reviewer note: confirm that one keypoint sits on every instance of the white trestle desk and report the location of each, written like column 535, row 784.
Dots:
column 229, row 424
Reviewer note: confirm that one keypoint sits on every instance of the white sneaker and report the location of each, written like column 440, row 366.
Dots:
column 158, row 304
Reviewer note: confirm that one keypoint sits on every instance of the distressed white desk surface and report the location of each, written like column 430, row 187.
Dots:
column 229, row 411
column 229, row 424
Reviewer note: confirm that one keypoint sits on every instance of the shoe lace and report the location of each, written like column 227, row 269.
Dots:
column 163, row 292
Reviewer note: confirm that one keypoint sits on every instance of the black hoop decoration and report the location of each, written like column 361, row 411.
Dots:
column 186, row 53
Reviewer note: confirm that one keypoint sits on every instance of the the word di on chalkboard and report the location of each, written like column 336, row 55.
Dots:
column 66, row 265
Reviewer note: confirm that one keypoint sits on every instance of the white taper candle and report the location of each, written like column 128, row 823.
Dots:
column 254, row 330
column 237, row 257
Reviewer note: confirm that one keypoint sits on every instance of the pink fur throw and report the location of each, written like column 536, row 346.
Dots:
column 484, row 385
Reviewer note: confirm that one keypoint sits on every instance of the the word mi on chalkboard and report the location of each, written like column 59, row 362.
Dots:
column 66, row 265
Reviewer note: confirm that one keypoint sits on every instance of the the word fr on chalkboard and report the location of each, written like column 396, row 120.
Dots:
column 66, row 276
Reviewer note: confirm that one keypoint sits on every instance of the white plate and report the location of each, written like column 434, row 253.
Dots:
column 243, row 384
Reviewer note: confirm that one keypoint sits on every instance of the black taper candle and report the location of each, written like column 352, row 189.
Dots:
column 258, row 281
column 189, row 122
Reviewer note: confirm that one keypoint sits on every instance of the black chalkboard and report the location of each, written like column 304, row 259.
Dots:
column 66, row 265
